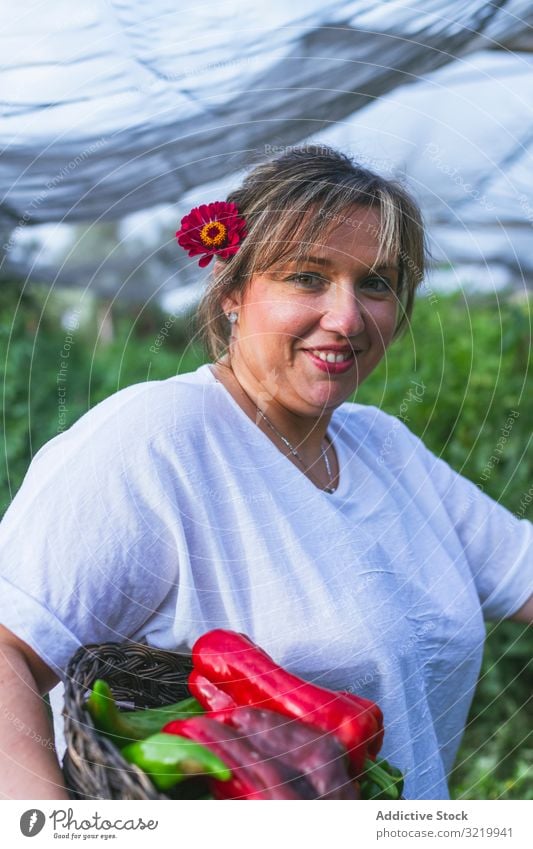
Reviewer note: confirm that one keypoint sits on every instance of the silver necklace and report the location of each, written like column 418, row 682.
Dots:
column 329, row 489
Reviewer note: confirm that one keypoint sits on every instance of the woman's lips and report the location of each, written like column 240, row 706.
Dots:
column 331, row 368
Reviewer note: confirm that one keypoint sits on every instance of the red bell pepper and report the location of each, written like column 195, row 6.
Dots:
column 250, row 676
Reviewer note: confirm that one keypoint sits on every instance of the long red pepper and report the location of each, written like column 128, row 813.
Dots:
column 318, row 755
column 208, row 694
column 252, row 775
column 251, row 677
column 375, row 745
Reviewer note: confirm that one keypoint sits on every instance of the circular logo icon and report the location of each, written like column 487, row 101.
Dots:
column 32, row 822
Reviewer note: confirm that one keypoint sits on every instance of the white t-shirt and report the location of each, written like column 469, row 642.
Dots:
column 165, row 512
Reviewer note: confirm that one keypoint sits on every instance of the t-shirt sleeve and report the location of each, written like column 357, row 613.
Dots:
column 497, row 544
column 87, row 551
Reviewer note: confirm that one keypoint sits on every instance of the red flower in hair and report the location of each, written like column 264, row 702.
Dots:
column 213, row 228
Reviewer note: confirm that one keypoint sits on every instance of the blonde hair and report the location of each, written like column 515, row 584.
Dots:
column 291, row 202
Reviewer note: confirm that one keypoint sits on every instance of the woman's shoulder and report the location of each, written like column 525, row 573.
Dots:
column 173, row 397
column 365, row 418
column 188, row 387
column 138, row 415
column 387, row 435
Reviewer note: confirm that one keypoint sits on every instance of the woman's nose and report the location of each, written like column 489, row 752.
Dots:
column 343, row 313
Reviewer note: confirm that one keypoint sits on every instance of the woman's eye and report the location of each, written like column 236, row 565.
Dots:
column 308, row 281
column 379, row 284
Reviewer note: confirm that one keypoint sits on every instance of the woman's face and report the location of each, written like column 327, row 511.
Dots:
column 338, row 298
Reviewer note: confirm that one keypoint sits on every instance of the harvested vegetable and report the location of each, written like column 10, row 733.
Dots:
column 318, row 755
column 123, row 726
column 266, row 733
column 249, row 675
column 252, row 775
column 208, row 694
column 169, row 760
column 382, row 781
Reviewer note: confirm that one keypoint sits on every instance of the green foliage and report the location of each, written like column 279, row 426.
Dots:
column 52, row 375
column 495, row 760
column 470, row 362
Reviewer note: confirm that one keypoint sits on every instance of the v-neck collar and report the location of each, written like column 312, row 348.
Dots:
column 336, row 441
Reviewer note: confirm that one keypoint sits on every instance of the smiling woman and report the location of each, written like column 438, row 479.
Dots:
column 320, row 333
column 319, row 289
column 251, row 495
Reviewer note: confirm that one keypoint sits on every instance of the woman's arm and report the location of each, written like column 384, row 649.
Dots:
column 29, row 768
column 525, row 613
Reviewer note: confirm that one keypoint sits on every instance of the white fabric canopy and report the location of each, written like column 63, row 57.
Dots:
column 462, row 139
column 111, row 108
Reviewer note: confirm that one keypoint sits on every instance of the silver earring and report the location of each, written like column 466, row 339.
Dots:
column 232, row 317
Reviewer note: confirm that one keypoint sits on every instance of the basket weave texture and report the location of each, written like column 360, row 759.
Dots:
column 140, row 677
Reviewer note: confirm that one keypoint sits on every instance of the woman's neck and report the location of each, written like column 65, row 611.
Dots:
column 306, row 434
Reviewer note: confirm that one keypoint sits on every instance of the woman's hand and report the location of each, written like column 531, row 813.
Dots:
column 29, row 768
column 525, row 613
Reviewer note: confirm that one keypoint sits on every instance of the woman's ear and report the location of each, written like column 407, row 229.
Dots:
column 231, row 301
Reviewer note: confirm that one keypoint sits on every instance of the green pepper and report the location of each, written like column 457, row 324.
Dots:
column 123, row 726
column 381, row 780
column 169, row 759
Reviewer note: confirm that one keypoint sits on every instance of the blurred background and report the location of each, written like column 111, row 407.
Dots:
column 116, row 118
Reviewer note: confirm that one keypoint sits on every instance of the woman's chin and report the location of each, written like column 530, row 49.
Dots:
column 328, row 398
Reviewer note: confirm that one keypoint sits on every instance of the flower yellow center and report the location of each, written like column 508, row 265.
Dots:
column 213, row 234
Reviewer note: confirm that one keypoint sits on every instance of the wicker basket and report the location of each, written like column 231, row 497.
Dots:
column 139, row 677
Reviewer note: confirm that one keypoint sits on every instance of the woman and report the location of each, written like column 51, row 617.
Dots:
column 250, row 495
